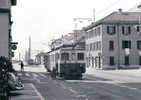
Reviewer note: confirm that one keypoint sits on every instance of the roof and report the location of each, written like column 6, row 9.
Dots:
column 118, row 18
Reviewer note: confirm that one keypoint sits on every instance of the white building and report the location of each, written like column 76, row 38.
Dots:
column 69, row 39
column 114, row 41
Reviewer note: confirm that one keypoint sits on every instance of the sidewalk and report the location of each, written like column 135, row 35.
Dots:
column 129, row 72
column 29, row 93
column 126, row 76
column 30, row 68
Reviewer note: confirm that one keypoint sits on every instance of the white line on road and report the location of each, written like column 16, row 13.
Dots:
column 128, row 87
column 63, row 86
column 82, row 96
column 19, row 74
column 42, row 75
column 27, row 74
column 34, row 75
column 117, row 83
column 132, row 88
column 76, row 93
column 73, row 91
column 38, row 93
column 87, row 81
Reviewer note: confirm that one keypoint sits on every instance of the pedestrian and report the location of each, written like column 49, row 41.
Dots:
column 22, row 66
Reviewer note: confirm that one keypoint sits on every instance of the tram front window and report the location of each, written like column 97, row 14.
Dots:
column 65, row 56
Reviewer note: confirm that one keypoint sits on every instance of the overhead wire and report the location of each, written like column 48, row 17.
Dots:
column 111, row 5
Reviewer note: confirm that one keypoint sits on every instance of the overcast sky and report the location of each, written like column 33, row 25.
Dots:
column 44, row 20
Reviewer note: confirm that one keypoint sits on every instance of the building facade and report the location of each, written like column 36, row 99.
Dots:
column 114, row 41
column 75, row 38
column 6, row 44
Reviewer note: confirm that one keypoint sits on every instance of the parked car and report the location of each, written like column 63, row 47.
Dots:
column 14, row 82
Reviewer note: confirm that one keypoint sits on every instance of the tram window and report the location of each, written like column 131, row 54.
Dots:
column 65, row 56
column 80, row 56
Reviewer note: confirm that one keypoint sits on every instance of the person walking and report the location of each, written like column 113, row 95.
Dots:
column 22, row 66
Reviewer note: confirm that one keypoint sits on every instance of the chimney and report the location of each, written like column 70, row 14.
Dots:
column 120, row 10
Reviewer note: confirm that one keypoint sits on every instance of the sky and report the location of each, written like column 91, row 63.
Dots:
column 44, row 20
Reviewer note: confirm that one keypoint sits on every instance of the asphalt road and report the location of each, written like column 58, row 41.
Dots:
column 90, row 88
column 93, row 87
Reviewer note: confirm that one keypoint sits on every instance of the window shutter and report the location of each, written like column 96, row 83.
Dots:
column 107, row 29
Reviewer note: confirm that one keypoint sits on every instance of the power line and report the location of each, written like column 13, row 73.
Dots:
column 109, row 6
column 106, row 9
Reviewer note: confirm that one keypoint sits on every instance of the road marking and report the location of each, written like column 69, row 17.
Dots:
column 38, row 93
column 128, row 87
column 76, row 93
column 73, row 91
column 117, row 83
column 82, row 96
column 19, row 74
column 42, row 75
column 27, row 74
column 34, row 75
column 27, row 94
column 63, row 86
column 132, row 88
column 123, row 86
column 87, row 81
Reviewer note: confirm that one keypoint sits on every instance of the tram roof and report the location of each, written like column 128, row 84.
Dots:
column 65, row 47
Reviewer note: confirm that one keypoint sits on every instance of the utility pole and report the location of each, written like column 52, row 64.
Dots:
column 94, row 15
column 19, row 56
column 80, row 20
column 29, row 49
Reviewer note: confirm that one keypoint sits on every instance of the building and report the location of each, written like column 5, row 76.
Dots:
column 77, row 37
column 114, row 41
column 6, row 43
column 39, row 58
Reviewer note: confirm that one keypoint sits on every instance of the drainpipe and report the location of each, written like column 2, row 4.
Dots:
column 118, row 37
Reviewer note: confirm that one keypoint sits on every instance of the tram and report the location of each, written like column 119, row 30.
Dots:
column 68, row 62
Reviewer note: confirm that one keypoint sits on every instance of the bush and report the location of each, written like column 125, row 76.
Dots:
column 5, row 67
